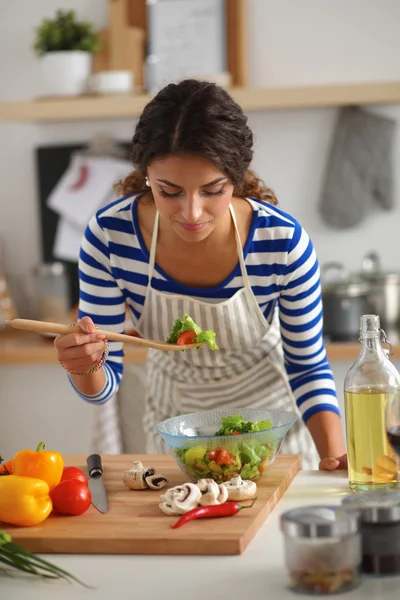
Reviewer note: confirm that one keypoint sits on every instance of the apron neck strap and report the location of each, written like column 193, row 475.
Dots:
column 153, row 246
column 243, row 269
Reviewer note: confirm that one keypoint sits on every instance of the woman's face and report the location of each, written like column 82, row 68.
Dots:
column 191, row 194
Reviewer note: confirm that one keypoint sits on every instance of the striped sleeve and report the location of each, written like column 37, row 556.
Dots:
column 101, row 299
column 301, row 321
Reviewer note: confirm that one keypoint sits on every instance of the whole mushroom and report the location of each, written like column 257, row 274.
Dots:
column 212, row 493
column 180, row 499
column 141, row 478
column 239, row 489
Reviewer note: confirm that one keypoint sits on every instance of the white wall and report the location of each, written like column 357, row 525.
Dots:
column 290, row 43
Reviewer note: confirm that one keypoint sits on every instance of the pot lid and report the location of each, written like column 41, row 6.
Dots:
column 371, row 270
column 351, row 288
column 382, row 277
column 337, row 281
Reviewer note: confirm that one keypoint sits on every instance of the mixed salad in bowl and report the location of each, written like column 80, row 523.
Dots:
column 239, row 446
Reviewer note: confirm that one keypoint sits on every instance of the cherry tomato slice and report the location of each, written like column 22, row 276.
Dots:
column 187, row 337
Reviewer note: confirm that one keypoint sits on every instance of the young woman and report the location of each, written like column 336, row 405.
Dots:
column 197, row 232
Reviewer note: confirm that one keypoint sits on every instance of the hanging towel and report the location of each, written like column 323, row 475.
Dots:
column 359, row 173
column 118, row 424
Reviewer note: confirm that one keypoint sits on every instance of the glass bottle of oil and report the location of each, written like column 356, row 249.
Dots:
column 368, row 386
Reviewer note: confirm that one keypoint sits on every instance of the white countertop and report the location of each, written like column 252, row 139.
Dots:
column 258, row 574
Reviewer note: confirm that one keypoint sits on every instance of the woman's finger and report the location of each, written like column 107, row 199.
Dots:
column 81, row 352
column 78, row 365
column 329, row 464
column 72, row 340
column 87, row 325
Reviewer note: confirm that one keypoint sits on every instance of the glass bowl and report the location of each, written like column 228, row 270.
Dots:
column 201, row 454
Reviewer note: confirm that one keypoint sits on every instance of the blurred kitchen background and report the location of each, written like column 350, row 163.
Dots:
column 320, row 82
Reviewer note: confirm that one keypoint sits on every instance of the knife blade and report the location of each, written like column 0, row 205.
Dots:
column 96, row 483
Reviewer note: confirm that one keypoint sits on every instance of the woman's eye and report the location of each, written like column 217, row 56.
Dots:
column 167, row 195
column 217, row 193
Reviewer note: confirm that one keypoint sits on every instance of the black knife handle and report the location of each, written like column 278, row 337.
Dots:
column 95, row 467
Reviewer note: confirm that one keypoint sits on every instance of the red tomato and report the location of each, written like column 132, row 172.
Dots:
column 187, row 337
column 225, row 458
column 213, row 454
column 235, row 432
column 73, row 473
column 71, row 497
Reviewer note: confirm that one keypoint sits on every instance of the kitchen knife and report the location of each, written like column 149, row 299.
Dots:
column 96, row 483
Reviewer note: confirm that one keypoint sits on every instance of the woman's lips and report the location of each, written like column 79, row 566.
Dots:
column 192, row 226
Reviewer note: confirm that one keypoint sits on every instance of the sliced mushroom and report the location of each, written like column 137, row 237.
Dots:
column 156, row 482
column 212, row 493
column 180, row 499
column 239, row 489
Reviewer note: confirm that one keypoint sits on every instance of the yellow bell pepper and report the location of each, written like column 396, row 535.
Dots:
column 41, row 464
column 24, row 501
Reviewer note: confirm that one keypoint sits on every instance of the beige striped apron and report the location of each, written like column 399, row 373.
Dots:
column 247, row 370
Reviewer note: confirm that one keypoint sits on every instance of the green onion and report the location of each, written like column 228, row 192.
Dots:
column 16, row 557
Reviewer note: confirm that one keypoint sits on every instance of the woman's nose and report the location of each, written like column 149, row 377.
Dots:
column 192, row 209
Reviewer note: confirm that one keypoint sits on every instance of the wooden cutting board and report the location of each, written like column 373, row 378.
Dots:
column 136, row 525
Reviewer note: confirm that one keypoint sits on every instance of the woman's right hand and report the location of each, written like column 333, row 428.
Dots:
column 80, row 351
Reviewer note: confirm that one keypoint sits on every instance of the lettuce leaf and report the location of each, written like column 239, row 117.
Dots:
column 187, row 324
column 262, row 425
column 175, row 333
column 208, row 337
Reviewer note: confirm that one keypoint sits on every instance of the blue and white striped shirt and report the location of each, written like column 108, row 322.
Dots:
column 282, row 267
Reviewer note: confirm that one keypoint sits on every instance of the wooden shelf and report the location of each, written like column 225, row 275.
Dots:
column 23, row 348
column 118, row 107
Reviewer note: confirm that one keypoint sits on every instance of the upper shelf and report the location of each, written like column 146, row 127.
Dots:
column 114, row 107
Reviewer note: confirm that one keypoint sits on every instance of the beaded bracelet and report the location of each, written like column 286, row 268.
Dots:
column 96, row 367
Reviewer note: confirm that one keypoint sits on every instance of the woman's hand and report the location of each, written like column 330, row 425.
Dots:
column 80, row 351
column 333, row 464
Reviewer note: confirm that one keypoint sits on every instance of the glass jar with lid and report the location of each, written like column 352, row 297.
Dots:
column 322, row 549
column 51, row 291
column 380, row 530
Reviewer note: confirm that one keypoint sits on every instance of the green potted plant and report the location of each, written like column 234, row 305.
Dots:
column 65, row 46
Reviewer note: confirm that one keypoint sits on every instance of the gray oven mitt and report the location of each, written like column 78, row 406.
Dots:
column 359, row 170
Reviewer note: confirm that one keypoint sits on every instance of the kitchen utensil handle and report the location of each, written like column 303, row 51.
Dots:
column 94, row 464
column 60, row 329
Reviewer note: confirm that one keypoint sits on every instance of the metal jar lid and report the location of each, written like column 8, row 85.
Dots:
column 320, row 522
column 380, row 506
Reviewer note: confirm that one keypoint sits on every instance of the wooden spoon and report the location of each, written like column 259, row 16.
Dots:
column 58, row 328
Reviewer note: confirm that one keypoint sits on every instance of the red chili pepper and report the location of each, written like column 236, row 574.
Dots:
column 203, row 512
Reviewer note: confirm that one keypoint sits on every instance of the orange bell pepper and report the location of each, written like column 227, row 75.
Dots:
column 5, row 467
column 24, row 501
column 42, row 464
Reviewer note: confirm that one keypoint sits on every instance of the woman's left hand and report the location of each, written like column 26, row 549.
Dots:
column 333, row 464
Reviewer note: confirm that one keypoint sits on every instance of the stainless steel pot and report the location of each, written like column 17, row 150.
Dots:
column 384, row 293
column 344, row 299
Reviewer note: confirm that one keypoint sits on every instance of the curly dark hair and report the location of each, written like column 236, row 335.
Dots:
column 198, row 118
